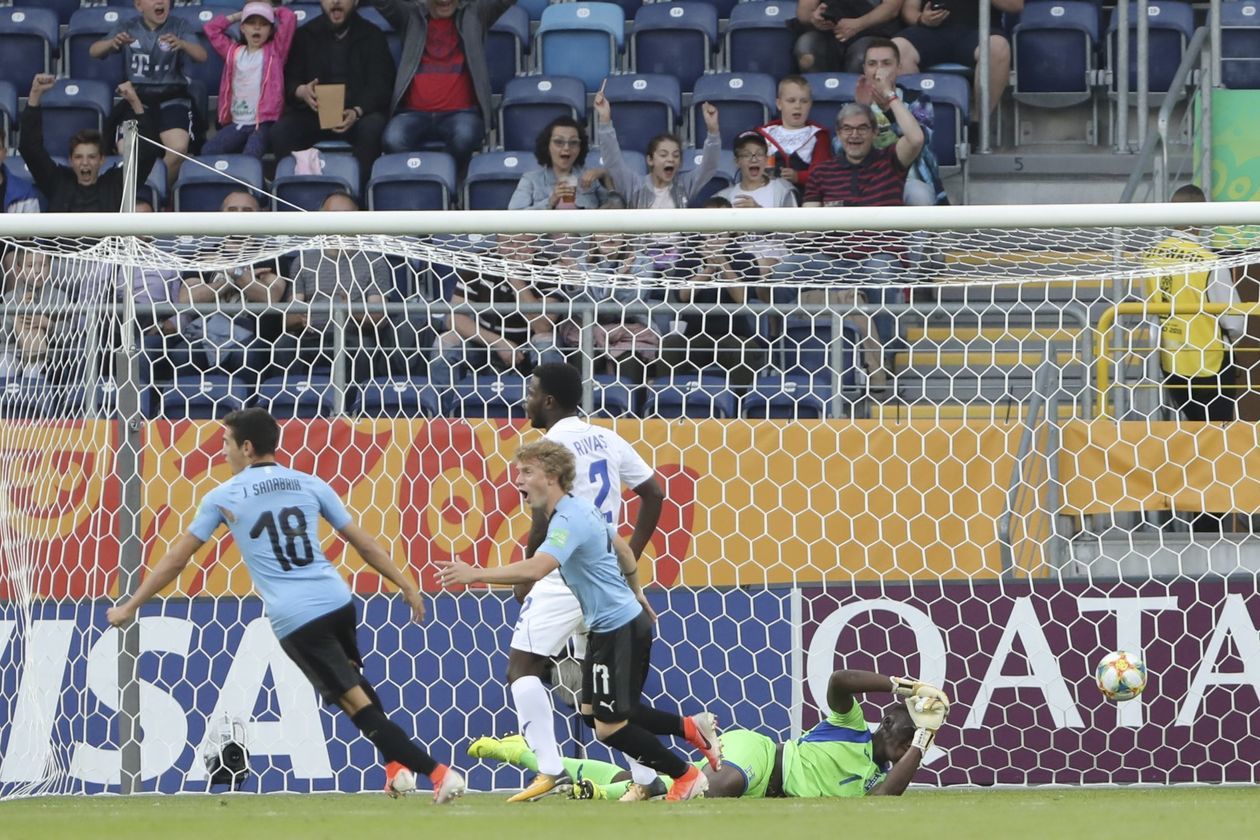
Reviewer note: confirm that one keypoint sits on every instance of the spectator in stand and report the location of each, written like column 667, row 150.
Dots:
column 948, row 31
column 80, row 187
column 357, row 278
column 757, row 186
column 17, row 194
column 562, row 181
column 251, row 92
column 923, row 181
column 724, row 336
column 30, row 340
column 796, row 143
column 662, row 187
column 338, row 47
column 154, row 44
column 832, row 35
column 442, row 91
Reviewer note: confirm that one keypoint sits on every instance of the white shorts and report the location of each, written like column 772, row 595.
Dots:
column 549, row 617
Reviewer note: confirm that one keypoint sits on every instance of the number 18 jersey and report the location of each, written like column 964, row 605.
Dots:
column 273, row 512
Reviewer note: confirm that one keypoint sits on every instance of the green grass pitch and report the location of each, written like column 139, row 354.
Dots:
column 929, row 815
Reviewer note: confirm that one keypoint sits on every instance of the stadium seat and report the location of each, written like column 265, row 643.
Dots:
column 506, row 46
column 72, row 106
column 390, row 397
column 64, row 9
column 788, row 397
column 487, row 396
column 534, row 8
column 8, row 113
column 643, row 106
column 634, row 161
column 412, row 181
column 306, row 12
column 831, row 92
column 531, row 102
column 721, row 179
column 582, row 40
column 492, row 178
column 804, row 347
column 691, row 395
column 202, row 189
column 341, row 172
column 86, row 27
column 1240, row 45
column 197, row 396
column 210, row 71
column 1171, row 24
column 758, row 39
column 29, row 42
column 745, row 101
column 291, row 396
column 612, row 397
column 30, row 398
column 951, row 101
column 677, row 39
column 1053, row 49
column 374, row 17
column 156, row 182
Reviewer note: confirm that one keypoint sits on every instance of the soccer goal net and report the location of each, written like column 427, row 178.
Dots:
column 979, row 446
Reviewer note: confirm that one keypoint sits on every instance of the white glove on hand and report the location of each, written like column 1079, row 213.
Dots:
column 927, row 712
column 906, row 687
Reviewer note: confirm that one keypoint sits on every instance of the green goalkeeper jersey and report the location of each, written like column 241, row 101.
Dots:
column 832, row 759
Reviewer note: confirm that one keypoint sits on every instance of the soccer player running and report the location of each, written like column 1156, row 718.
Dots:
column 601, row 570
column 550, row 614
column 272, row 512
column 840, row 757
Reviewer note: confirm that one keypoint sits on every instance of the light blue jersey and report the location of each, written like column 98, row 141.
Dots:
column 580, row 539
column 273, row 514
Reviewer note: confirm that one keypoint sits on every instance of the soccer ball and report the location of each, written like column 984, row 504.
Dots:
column 403, row 783
column 1121, row 676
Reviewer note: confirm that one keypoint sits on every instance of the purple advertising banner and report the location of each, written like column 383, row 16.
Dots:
column 1018, row 660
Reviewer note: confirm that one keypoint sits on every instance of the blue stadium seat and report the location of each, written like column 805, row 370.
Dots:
column 29, row 398
column 202, row 190
column 1171, row 25
column 1240, row 45
column 831, row 91
column 634, row 161
column 534, row 8
column 156, row 182
column 492, row 178
column 612, row 397
column 745, row 101
column 691, row 395
column 793, row 397
column 724, row 8
column 374, row 17
column 72, row 106
column 210, row 71
column 389, row 397
column 290, row 395
column 643, row 106
column 677, row 39
column 582, row 40
column 29, row 42
column 531, row 102
column 506, row 46
column 629, row 7
column 8, row 112
column 412, row 181
column 723, row 178
column 306, row 12
column 1053, row 48
column 341, row 172
column 197, row 396
column 487, row 396
column 86, row 27
column 951, row 101
column 64, row 9
column 758, row 39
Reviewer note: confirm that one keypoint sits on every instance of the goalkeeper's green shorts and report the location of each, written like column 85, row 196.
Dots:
column 752, row 754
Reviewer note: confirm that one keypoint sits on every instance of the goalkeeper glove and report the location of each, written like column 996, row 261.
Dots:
column 928, row 714
column 906, row 687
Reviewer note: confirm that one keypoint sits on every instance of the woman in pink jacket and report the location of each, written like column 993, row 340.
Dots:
column 251, row 94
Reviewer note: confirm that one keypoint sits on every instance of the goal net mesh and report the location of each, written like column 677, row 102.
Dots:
column 945, row 454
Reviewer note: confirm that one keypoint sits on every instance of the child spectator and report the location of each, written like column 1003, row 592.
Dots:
column 17, row 195
column 154, row 44
column 796, row 143
column 251, row 93
column 757, row 185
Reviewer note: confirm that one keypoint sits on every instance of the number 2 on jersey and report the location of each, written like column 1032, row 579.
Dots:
column 599, row 474
column 293, row 526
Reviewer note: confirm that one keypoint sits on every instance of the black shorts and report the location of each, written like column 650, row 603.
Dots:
column 616, row 667
column 944, row 44
column 177, row 113
column 327, row 651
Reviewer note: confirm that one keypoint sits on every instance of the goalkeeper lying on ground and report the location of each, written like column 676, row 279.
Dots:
column 838, row 757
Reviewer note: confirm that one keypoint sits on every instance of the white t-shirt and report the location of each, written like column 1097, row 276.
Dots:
column 770, row 194
column 605, row 463
column 663, row 197
column 247, row 86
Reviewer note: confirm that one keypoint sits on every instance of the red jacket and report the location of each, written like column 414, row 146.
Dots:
column 275, row 52
column 821, row 152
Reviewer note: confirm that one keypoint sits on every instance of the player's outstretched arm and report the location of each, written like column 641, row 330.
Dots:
column 537, row 533
column 529, row 570
column 158, row 578
column 375, row 555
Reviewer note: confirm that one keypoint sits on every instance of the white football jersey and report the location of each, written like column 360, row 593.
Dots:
column 605, row 462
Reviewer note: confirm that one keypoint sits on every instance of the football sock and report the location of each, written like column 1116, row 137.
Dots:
column 658, row 722
column 537, row 719
column 639, row 744
column 392, row 741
